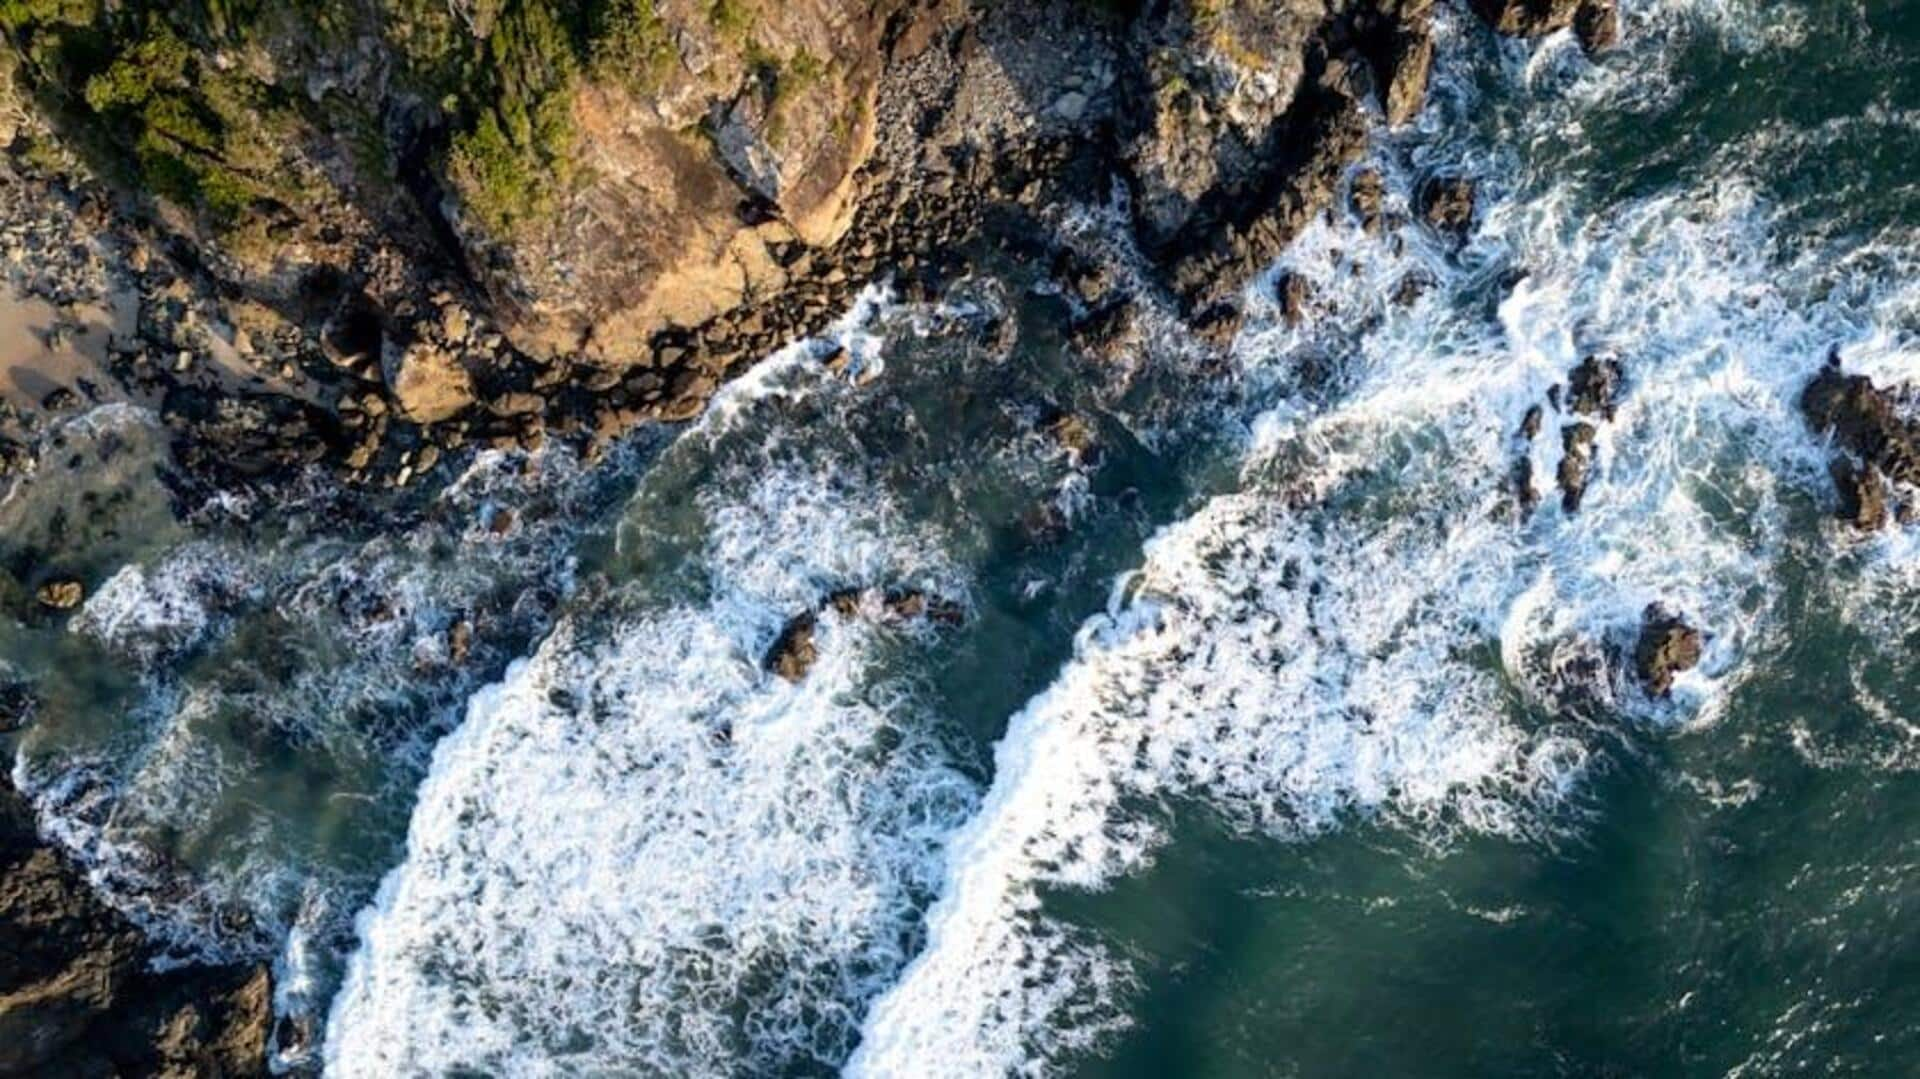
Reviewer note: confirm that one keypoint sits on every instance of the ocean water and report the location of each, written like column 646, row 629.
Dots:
column 1271, row 738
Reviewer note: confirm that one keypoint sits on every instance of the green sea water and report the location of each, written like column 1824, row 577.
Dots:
column 1273, row 741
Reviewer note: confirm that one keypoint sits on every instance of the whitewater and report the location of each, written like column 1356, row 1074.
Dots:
column 1299, row 601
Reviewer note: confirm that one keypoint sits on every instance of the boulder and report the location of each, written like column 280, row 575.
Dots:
column 1667, row 646
column 1293, row 292
column 1409, row 67
column 430, row 384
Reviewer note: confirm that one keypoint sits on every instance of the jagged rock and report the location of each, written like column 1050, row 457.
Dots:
column 1862, row 420
column 61, row 594
column 793, row 652
column 1218, row 325
column 1863, row 496
column 1293, row 292
column 1576, row 464
column 1595, row 22
column 1446, row 204
column 1409, row 68
column 61, row 399
column 1593, row 387
column 1667, row 647
column 79, row 996
column 430, row 384
column 1107, row 334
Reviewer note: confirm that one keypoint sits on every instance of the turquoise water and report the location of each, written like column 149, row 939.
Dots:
column 1272, row 741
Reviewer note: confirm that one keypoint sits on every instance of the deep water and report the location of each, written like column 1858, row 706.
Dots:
column 1274, row 739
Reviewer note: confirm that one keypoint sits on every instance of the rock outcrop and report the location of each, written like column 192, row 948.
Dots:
column 1882, row 445
column 794, row 653
column 1667, row 647
column 79, row 996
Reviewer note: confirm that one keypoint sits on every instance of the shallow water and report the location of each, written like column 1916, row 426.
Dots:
column 1273, row 740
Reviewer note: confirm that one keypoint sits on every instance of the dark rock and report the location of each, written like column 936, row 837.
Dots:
column 1530, row 423
column 1863, row 496
column 1446, row 204
column 61, row 399
column 1597, row 25
column 78, row 992
column 1107, row 334
column 793, row 652
column 1576, row 464
column 1667, row 646
column 1593, row 388
column 1218, row 325
column 1862, row 420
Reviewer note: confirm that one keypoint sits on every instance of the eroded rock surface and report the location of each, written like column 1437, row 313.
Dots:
column 1667, row 647
column 78, row 995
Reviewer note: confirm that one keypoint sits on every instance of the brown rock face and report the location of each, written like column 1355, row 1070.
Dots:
column 78, row 995
column 1409, row 69
column 1596, row 22
column 1667, row 646
column 1862, row 420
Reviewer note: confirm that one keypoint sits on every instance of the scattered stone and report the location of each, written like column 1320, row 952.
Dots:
column 1667, row 647
column 459, row 641
column 61, row 594
column 1576, row 464
column 1595, row 22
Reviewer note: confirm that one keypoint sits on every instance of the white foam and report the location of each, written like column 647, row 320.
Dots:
column 1364, row 632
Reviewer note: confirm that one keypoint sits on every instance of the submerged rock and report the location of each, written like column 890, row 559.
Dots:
column 61, row 594
column 1667, row 647
column 794, row 652
column 17, row 705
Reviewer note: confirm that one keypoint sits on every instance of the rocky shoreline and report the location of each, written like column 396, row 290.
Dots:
column 383, row 331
